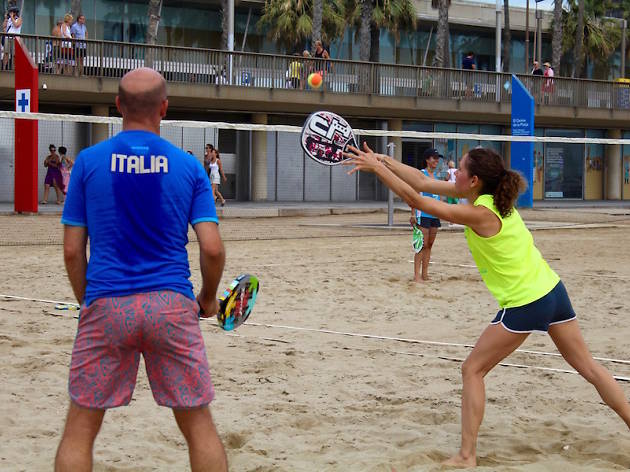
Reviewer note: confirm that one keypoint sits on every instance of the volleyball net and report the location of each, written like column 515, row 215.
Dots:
column 265, row 162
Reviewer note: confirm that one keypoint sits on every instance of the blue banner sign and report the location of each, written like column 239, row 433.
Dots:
column 522, row 154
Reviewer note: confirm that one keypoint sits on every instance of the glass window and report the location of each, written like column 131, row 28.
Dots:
column 564, row 166
column 465, row 145
column 447, row 147
column 496, row 146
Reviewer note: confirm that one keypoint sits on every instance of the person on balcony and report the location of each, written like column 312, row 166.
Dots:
column 547, row 87
column 56, row 46
column 468, row 64
column 79, row 31
column 11, row 25
column 67, row 49
column 536, row 70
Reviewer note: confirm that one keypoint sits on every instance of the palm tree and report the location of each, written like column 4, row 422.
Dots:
column 507, row 36
column 290, row 22
column 154, row 12
column 318, row 11
column 556, row 38
column 75, row 9
column 370, row 16
column 442, row 55
column 601, row 36
column 579, row 39
column 365, row 29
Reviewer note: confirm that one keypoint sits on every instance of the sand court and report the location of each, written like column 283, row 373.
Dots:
column 296, row 392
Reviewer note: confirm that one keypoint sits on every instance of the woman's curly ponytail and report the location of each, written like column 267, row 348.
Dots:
column 503, row 184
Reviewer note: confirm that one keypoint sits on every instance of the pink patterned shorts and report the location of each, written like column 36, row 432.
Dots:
column 162, row 326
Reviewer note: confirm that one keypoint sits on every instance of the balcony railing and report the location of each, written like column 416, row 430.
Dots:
column 94, row 58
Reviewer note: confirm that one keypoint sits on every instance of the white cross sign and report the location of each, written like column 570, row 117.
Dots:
column 23, row 100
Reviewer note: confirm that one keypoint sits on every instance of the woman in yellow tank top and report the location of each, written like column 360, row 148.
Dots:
column 530, row 294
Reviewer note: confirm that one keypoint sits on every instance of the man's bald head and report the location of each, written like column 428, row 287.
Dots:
column 141, row 92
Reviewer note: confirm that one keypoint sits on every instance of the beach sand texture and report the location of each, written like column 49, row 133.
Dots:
column 306, row 400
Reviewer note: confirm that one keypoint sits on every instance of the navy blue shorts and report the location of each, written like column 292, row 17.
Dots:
column 427, row 222
column 553, row 308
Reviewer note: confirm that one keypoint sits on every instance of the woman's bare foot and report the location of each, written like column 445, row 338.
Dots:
column 460, row 462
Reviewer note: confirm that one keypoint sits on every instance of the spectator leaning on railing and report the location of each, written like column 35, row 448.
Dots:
column 67, row 49
column 79, row 31
column 548, row 82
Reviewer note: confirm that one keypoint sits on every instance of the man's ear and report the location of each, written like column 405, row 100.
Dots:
column 118, row 107
column 163, row 108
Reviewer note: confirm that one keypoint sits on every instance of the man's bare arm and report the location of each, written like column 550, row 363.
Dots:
column 75, row 258
column 211, row 261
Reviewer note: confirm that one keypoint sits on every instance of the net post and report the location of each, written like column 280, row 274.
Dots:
column 26, row 100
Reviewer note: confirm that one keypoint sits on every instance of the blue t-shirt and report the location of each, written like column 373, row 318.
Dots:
column 468, row 63
column 426, row 194
column 136, row 193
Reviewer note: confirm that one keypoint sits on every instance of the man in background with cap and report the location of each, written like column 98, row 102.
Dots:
column 428, row 224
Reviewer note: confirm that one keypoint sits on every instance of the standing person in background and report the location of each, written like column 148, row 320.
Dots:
column 548, row 82
column 321, row 53
column 66, row 168
column 12, row 25
column 135, row 294
column 468, row 63
column 428, row 223
column 53, row 176
column 536, row 70
column 56, row 46
column 79, row 31
column 207, row 157
column 216, row 173
column 450, row 177
column 67, row 49
column 295, row 72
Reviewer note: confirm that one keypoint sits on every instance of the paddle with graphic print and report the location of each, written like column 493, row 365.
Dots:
column 326, row 136
column 236, row 302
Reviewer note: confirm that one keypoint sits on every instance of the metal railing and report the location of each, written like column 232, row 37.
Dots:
column 93, row 58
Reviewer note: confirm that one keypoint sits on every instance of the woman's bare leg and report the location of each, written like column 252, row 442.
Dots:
column 429, row 235
column 569, row 341
column 494, row 345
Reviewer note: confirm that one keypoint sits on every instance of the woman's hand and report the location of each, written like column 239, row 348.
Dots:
column 366, row 160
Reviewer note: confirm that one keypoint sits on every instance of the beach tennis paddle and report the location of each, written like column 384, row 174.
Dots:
column 237, row 301
column 417, row 239
column 326, row 136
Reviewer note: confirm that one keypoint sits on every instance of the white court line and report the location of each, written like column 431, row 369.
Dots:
column 472, row 266
column 418, row 341
column 508, row 364
column 447, row 358
column 360, row 335
column 56, row 302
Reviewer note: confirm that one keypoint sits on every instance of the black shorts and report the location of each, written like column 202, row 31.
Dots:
column 79, row 51
column 427, row 222
column 553, row 308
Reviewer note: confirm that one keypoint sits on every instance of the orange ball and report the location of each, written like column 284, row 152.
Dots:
column 315, row 80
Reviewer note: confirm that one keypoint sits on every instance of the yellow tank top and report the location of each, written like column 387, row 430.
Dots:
column 509, row 263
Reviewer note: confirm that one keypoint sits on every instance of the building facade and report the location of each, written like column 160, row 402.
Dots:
column 271, row 166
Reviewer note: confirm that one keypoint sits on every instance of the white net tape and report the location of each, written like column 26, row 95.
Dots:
column 297, row 129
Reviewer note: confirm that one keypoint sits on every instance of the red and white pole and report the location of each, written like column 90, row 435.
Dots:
column 26, row 100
